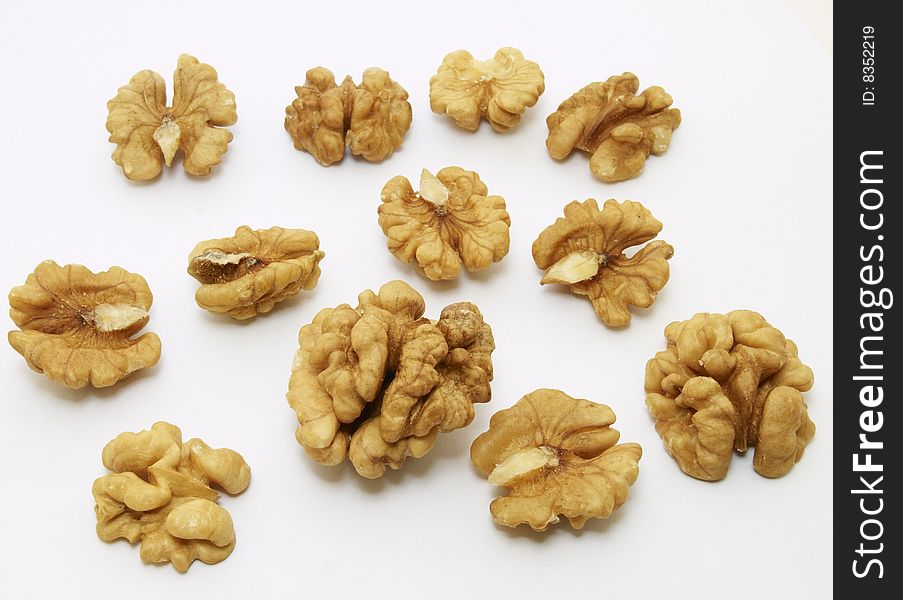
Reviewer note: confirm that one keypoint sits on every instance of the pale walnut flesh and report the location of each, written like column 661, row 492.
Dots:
column 617, row 126
column 77, row 327
column 371, row 119
column 586, row 250
column 726, row 383
column 148, row 133
column 499, row 90
column 557, row 456
column 450, row 221
column 161, row 495
column 249, row 273
column 376, row 384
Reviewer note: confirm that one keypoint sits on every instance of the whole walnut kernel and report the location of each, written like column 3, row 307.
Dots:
column 371, row 119
column 76, row 326
column 557, row 456
column 160, row 493
column 585, row 251
column 499, row 89
column 379, row 382
column 249, row 273
column 451, row 220
column 614, row 124
column 725, row 383
column 147, row 133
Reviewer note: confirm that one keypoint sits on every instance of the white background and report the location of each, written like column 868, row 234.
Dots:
column 744, row 194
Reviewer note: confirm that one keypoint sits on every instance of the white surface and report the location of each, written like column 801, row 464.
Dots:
column 744, row 194
column 818, row 15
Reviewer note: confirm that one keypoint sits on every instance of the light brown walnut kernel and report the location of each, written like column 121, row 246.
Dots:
column 147, row 133
column 160, row 493
column 451, row 220
column 499, row 89
column 378, row 383
column 249, row 273
column 725, row 383
column 76, row 326
column 557, row 456
column 585, row 250
column 614, row 124
column 371, row 118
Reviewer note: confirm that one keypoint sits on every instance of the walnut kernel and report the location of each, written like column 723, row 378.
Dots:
column 76, row 326
column 614, row 124
column 371, row 119
column 252, row 271
column 499, row 89
column 557, row 456
column 379, row 382
column 585, row 250
column 451, row 220
column 160, row 494
column 147, row 133
column 725, row 383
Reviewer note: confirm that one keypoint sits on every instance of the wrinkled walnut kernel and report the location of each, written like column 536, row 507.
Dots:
column 77, row 326
column 160, row 494
column 499, row 89
column 451, row 220
column 379, row 382
column 250, row 272
column 619, row 128
column 147, row 133
column 371, row 119
column 585, row 250
column 725, row 383
column 557, row 456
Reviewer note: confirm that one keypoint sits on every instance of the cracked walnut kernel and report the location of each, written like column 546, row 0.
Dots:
column 499, row 89
column 371, row 118
column 76, row 326
column 147, row 133
column 585, row 251
column 379, row 382
column 451, row 220
column 160, row 493
column 726, row 383
column 252, row 271
column 557, row 455
column 614, row 124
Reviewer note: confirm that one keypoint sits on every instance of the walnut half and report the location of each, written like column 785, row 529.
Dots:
column 161, row 494
column 252, row 271
column 557, row 456
column 76, row 326
column 371, row 118
column 725, row 383
column 147, row 133
column 619, row 127
column 499, row 89
column 451, row 220
column 379, row 382
column 585, row 250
